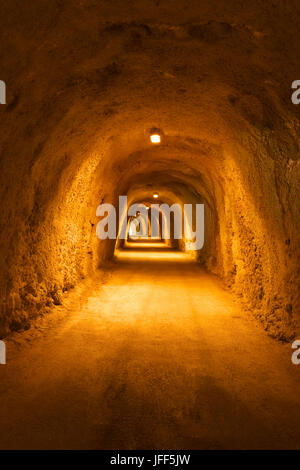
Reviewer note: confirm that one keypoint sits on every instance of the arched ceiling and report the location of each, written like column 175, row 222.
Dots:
column 86, row 81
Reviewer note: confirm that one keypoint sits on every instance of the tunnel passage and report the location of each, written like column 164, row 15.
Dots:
column 76, row 132
column 173, row 214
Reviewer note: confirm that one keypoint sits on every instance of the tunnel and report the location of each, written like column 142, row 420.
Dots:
column 196, row 341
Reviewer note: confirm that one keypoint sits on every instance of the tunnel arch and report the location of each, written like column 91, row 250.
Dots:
column 216, row 88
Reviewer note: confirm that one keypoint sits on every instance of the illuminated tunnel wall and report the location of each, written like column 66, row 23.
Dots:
column 171, row 190
column 76, row 133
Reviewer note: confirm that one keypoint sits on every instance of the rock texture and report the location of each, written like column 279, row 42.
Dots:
column 86, row 81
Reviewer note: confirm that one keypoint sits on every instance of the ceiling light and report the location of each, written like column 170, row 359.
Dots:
column 155, row 195
column 155, row 138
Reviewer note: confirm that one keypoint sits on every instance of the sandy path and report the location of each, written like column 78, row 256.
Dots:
column 158, row 356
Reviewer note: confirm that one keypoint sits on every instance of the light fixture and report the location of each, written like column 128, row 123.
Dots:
column 155, row 138
column 155, row 195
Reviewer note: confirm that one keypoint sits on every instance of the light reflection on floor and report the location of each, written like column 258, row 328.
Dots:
column 143, row 250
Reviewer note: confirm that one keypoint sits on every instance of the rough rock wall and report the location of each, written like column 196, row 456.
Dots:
column 85, row 83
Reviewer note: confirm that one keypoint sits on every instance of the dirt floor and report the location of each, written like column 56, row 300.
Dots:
column 152, row 354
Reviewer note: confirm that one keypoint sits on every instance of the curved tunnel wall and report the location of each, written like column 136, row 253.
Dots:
column 75, row 132
column 171, row 189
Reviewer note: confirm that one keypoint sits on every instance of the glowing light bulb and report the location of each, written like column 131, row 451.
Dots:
column 155, row 138
column 155, row 195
